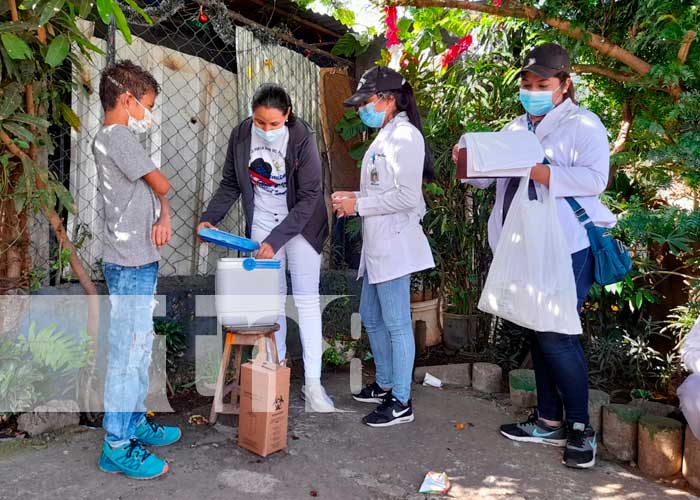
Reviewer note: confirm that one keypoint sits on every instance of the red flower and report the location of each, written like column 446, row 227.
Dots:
column 392, row 31
column 497, row 3
column 452, row 53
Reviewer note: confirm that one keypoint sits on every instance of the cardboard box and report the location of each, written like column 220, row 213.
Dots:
column 264, row 409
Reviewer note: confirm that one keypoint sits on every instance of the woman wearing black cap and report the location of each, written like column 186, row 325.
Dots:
column 577, row 164
column 391, row 204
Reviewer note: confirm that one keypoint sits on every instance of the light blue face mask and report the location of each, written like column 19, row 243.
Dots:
column 269, row 135
column 537, row 102
column 371, row 117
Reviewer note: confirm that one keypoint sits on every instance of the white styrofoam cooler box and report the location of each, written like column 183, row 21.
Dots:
column 248, row 292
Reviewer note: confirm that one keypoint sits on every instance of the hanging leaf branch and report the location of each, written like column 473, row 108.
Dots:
column 35, row 65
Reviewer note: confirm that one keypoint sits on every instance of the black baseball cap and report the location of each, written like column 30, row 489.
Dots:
column 547, row 60
column 375, row 80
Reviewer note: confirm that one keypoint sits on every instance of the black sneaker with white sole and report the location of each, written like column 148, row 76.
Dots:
column 534, row 430
column 372, row 393
column 581, row 446
column 390, row 412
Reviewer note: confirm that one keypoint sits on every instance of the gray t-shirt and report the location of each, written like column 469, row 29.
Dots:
column 130, row 206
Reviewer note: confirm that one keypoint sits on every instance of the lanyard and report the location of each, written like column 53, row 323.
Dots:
column 532, row 128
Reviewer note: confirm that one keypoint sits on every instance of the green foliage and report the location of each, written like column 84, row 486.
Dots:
column 337, row 353
column 27, row 61
column 626, row 357
column 30, row 367
column 474, row 94
column 350, row 126
column 54, row 350
column 631, row 335
column 509, row 346
column 345, row 16
column 351, row 45
column 175, row 340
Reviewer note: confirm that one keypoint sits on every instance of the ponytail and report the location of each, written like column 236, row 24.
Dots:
column 571, row 91
column 406, row 102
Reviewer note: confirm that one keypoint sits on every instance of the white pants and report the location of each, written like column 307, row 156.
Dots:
column 304, row 265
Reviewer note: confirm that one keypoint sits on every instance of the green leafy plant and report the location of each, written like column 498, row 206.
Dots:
column 37, row 68
column 32, row 366
column 340, row 346
column 637, row 67
column 351, row 45
column 175, row 340
column 509, row 346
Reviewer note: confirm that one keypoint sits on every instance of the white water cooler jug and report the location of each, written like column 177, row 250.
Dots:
column 248, row 292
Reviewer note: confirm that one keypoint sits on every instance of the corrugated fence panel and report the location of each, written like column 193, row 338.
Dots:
column 260, row 63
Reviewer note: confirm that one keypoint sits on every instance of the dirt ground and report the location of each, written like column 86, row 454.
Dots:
column 333, row 457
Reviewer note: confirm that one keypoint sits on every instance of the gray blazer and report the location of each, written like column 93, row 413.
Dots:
column 307, row 208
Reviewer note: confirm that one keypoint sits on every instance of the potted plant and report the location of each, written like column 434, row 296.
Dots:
column 426, row 305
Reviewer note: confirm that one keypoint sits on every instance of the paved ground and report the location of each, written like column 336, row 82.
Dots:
column 334, row 457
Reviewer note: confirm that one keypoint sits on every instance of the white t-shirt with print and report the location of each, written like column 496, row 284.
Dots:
column 268, row 173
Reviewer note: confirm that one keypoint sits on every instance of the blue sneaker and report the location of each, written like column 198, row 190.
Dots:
column 132, row 460
column 151, row 433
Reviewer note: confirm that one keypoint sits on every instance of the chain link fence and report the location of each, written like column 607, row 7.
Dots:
column 208, row 69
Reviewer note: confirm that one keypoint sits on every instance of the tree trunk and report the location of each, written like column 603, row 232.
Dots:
column 625, row 127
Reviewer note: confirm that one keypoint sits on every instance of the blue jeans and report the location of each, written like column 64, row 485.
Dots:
column 561, row 371
column 386, row 313
column 131, row 292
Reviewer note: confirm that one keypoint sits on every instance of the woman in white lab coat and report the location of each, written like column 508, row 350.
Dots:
column 391, row 204
column 576, row 165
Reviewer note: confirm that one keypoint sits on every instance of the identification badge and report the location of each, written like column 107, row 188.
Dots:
column 373, row 173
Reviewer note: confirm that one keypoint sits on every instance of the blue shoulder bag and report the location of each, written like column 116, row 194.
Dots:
column 611, row 259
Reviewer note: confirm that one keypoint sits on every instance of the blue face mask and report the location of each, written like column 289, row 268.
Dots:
column 270, row 135
column 371, row 117
column 537, row 103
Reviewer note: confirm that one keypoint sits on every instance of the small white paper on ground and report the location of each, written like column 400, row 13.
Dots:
column 435, row 483
column 431, row 380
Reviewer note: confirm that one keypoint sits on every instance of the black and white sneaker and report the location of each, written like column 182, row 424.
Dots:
column 390, row 412
column 581, row 447
column 534, row 430
column 372, row 393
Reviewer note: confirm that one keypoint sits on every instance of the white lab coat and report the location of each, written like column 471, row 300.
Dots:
column 391, row 204
column 576, row 144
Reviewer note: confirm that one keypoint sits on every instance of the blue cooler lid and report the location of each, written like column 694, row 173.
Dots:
column 228, row 240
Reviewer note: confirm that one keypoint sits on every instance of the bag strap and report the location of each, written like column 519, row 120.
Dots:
column 579, row 211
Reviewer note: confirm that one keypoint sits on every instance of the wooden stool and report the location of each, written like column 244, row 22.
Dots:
column 239, row 337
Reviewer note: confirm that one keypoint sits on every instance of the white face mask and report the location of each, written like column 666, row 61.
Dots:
column 144, row 124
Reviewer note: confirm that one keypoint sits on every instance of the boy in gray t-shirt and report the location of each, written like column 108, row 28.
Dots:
column 137, row 222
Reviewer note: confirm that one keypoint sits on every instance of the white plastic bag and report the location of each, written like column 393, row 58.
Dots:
column 531, row 281
column 690, row 351
column 689, row 396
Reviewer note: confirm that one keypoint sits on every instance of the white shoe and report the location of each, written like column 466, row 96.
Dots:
column 316, row 399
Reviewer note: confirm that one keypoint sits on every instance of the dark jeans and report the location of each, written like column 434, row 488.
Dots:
column 560, row 366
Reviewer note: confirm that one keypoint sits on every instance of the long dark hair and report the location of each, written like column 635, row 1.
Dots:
column 274, row 96
column 406, row 102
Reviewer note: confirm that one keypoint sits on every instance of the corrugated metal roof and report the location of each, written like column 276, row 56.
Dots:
column 274, row 11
